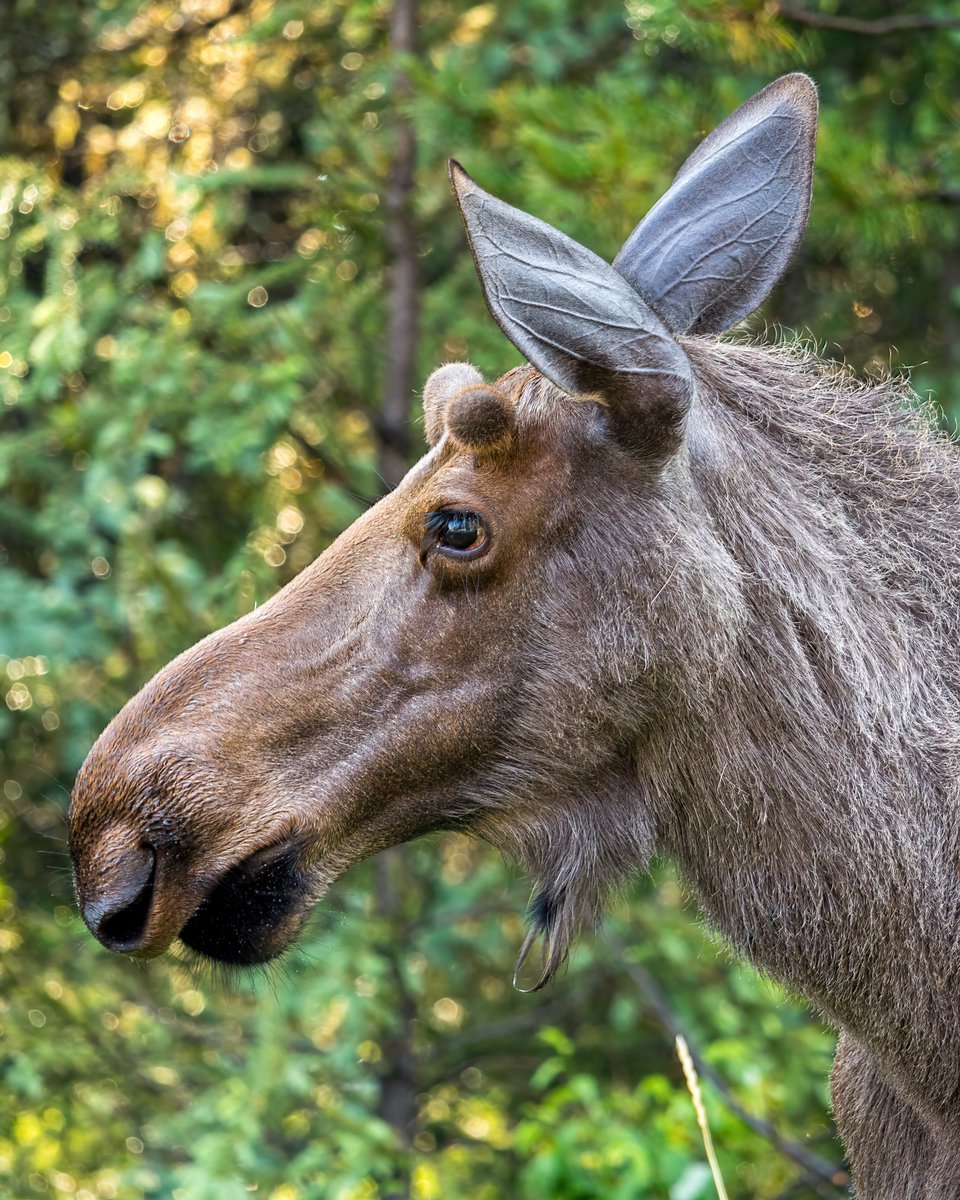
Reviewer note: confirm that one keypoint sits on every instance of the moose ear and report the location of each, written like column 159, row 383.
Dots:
column 711, row 249
column 573, row 317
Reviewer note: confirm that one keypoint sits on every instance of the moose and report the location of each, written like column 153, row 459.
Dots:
column 653, row 591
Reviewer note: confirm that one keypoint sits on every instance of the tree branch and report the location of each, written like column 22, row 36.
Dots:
column 331, row 469
column 819, row 1171
column 877, row 27
column 943, row 195
column 187, row 28
column 490, row 1039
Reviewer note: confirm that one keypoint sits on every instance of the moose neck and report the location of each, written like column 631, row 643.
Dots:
column 810, row 795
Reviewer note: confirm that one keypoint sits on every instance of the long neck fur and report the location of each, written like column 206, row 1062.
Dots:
column 811, row 793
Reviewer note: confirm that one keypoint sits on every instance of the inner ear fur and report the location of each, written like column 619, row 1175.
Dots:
column 444, row 383
column 481, row 419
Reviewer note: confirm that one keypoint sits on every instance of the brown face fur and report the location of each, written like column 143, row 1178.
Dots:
column 368, row 702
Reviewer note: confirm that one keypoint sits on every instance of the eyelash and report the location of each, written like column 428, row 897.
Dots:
column 445, row 520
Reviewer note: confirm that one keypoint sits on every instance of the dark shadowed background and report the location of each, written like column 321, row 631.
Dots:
column 228, row 259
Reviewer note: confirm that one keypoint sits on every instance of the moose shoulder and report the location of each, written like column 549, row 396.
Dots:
column 651, row 591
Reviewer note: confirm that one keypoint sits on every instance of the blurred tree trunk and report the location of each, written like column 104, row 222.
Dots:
column 398, row 1082
column 399, row 1074
column 403, row 300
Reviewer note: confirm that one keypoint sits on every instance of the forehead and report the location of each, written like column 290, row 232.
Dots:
column 552, row 428
column 543, row 408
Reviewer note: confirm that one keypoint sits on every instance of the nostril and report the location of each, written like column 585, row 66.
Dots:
column 118, row 917
column 123, row 928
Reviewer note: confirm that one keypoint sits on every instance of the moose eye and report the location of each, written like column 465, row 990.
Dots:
column 455, row 532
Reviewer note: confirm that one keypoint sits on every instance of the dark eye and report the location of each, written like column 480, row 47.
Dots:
column 456, row 532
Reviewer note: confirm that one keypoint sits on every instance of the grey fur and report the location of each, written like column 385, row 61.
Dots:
column 768, row 687
column 777, row 653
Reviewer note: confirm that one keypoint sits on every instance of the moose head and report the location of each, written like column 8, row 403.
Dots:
column 501, row 644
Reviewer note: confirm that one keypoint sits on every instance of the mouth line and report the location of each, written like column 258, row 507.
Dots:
column 253, row 911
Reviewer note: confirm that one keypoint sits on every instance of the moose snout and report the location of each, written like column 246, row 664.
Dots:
column 130, row 892
column 116, row 903
column 132, row 889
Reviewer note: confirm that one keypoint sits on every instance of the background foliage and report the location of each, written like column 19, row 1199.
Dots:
column 193, row 296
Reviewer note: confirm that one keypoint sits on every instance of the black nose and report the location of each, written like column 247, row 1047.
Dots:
column 117, row 912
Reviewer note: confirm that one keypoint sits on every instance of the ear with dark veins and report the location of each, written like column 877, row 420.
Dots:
column 574, row 317
column 713, row 246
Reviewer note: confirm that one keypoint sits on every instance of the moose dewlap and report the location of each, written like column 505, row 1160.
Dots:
column 652, row 591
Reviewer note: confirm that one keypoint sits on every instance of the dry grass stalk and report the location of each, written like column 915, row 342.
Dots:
column 693, row 1087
